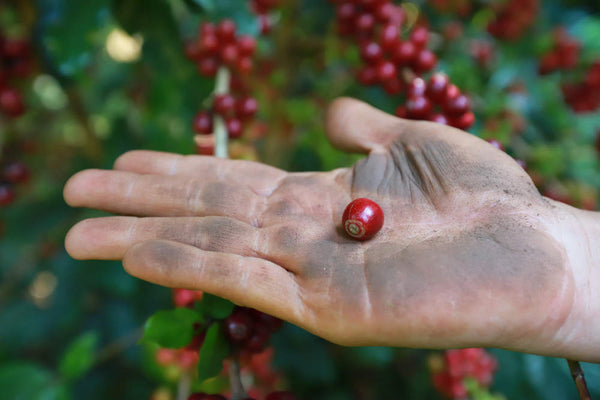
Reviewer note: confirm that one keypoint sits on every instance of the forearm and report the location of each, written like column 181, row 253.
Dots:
column 579, row 232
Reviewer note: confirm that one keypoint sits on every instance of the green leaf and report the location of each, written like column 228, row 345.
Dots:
column 172, row 328
column 214, row 306
column 70, row 45
column 79, row 356
column 28, row 381
column 213, row 352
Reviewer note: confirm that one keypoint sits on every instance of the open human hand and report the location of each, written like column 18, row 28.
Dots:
column 467, row 255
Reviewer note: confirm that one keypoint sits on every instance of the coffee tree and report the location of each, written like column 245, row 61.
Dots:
column 82, row 82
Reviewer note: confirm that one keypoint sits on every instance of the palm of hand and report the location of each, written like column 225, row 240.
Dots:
column 462, row 249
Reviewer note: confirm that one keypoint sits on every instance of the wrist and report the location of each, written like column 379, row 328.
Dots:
column 579, row 232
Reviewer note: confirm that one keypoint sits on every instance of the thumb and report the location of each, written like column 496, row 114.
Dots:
column 357, row 127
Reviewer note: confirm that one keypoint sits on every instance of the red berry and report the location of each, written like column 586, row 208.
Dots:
column 401, row 111
column 183, row 297
column 345, row 12
column 11, row 102
column 7, row 194
column 280, row 396
column 15, row 48
column 224, row 104
column 419, row 37
column 464, row 121
column 225, row 30
column 386, row 70
column 270, row 322
column 371, row 52
column 229, row 54
column 257, row 342
column 209, row 44
column 16, row 172
column 238, row 326
column 418, row 108
column 416, row 88
column 246, row 107
column 452, row 91
column 362, row 219
column 404, row 53
column 244, row 65
column 364, row 22
column 166, row 356
column 207, row 28
column 393, row 86
column 208, row 66
column 389, row 37
column 234, row 127
column 367, row 75
column 439, row 118
column 188, row 358
column 436, row 87
column 246, row 45
column 203, row 123
column 457, row 106
column 424, row 61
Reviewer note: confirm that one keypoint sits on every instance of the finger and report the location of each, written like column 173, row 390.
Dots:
column 246, row 281
column 260, row 177
column 109, row 238
column 153, row 195
column 354, row 126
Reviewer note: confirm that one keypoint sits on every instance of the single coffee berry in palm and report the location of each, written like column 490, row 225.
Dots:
column 362, row 219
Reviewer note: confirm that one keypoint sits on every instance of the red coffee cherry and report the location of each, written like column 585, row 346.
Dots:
column 224, row 104
column 362, row 219
column 7, row 194
column 238, row 326
column 203, row 123
column 11, row 102
column 17, row 172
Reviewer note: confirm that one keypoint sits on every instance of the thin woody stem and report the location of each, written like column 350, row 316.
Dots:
column 235, row 378
column 220, row 132
column 184, row 386
column 579, row 379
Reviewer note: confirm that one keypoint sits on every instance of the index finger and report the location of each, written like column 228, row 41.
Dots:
column 261, row 178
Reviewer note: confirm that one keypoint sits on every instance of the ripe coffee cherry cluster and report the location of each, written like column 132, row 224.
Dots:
column 437, row 100
column 280, row 395
column 585, row 95
column 234, row 110
column 459, row 364
column 563, row 55
column 12, row 174
column 219, row 45
column 376, row 27
column 15, row 62
column 249, row 330
column 513, row 18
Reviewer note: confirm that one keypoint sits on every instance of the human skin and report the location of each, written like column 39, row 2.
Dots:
column 470, row 253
